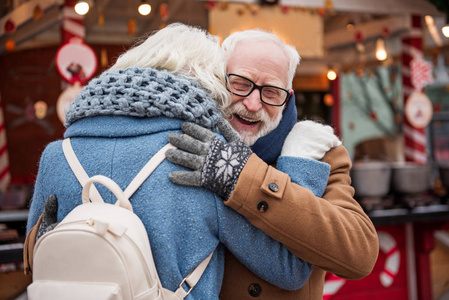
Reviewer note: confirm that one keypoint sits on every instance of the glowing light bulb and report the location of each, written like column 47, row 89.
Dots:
column 81, row 8
column 381, row 52
column 331, row 74
column 445, row 30
column 144, row 9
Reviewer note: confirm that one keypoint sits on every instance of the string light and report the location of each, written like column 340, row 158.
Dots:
column 331, row 74
column 81, row 7
column 144, row 8
column 381, row 52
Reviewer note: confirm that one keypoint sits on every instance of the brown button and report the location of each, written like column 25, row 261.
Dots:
column 262, row 206
column 254, row 290
column 273, row 187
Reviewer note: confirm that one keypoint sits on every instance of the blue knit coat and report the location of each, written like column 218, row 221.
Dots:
column 184, row 224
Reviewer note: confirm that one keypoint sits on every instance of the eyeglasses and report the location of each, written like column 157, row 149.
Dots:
column 241, row 86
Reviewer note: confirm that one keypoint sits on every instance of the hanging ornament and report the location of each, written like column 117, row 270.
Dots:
column 101, row 19
column 9, row 26
column 104, row 58
column 284, row 9
column 40, row 109
column 10, row 45
column 38, row 13
column 358, row 36
column 321, row 11
column 241, row 11
column 210, row 4
column 223, row 5
column 131, row 26
column 253, row 9
column 329, row 4
column 163, row 12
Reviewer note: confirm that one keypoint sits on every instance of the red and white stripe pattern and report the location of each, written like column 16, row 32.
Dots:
column 414, row 138
column 332, row 285
column 5, row 175
column 72, row 23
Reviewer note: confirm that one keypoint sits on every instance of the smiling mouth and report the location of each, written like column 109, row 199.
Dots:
column 246, row 121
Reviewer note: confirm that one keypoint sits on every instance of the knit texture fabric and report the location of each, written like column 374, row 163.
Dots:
column 145, row 92
column 269, row 147
column 223, row 164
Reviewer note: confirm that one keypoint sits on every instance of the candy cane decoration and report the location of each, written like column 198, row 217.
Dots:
column 332, row 285
column 415, row 138
column 389, row 247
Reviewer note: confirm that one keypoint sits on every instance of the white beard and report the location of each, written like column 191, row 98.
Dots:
column 267, row 124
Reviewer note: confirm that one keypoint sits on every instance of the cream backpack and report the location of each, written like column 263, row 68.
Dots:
column 101, row 251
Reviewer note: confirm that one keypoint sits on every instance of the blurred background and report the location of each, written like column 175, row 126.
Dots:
column 376, row 71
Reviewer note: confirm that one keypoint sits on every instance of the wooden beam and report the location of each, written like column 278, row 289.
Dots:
column 316, row 83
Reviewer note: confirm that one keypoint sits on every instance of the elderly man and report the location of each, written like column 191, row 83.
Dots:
column 331, row 232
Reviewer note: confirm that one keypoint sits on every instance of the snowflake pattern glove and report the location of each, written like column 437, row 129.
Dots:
column 216, row 164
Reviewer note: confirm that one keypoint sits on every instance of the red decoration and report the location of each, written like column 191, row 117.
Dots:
column 10, row 27
column 358, row 36
column 211, row 4
column 385, row 32
column 321, row 11
column 163, row 12
column 373, row 115
column 285, row 9
column 131, row 26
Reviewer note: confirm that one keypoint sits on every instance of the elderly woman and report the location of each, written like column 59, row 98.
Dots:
column 121, row 119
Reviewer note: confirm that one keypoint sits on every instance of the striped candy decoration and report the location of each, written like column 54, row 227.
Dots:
column 5, row 176
column 414, row 138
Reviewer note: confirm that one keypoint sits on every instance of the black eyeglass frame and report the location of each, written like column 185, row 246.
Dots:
column 259, row 87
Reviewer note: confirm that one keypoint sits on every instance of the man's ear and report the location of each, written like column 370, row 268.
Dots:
column 289, row 97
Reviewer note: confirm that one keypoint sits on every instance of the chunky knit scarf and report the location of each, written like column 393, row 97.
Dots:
column 145, row 92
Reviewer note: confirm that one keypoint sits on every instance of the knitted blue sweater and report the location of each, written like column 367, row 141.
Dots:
column 184, row 224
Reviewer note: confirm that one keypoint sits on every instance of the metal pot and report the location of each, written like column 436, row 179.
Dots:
column 410, row 178
column 371, row 178
column 443, row 169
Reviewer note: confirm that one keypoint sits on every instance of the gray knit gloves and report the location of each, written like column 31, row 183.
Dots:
column 49, row 218
column 216, row 164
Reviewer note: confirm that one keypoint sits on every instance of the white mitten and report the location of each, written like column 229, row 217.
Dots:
column 310, row 139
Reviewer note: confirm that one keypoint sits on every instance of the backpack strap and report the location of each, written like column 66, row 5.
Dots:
column 147, row 170
column 192, row 279
column 78, row 169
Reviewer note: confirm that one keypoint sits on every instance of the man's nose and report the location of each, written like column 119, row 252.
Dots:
column 252, row 101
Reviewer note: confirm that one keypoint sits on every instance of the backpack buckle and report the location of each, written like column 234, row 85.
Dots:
column 180, row 286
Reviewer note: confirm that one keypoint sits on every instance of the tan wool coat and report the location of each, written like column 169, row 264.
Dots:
column 332, row 233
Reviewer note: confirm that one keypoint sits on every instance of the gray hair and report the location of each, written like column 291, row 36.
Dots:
column 184, row 50
column 252, row 35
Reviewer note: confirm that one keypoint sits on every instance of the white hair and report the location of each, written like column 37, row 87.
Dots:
column 252, row 35
column 184, row 50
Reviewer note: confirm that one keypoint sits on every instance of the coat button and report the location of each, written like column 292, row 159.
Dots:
column 262, row 206
column 273, row 187
column 255, row 290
